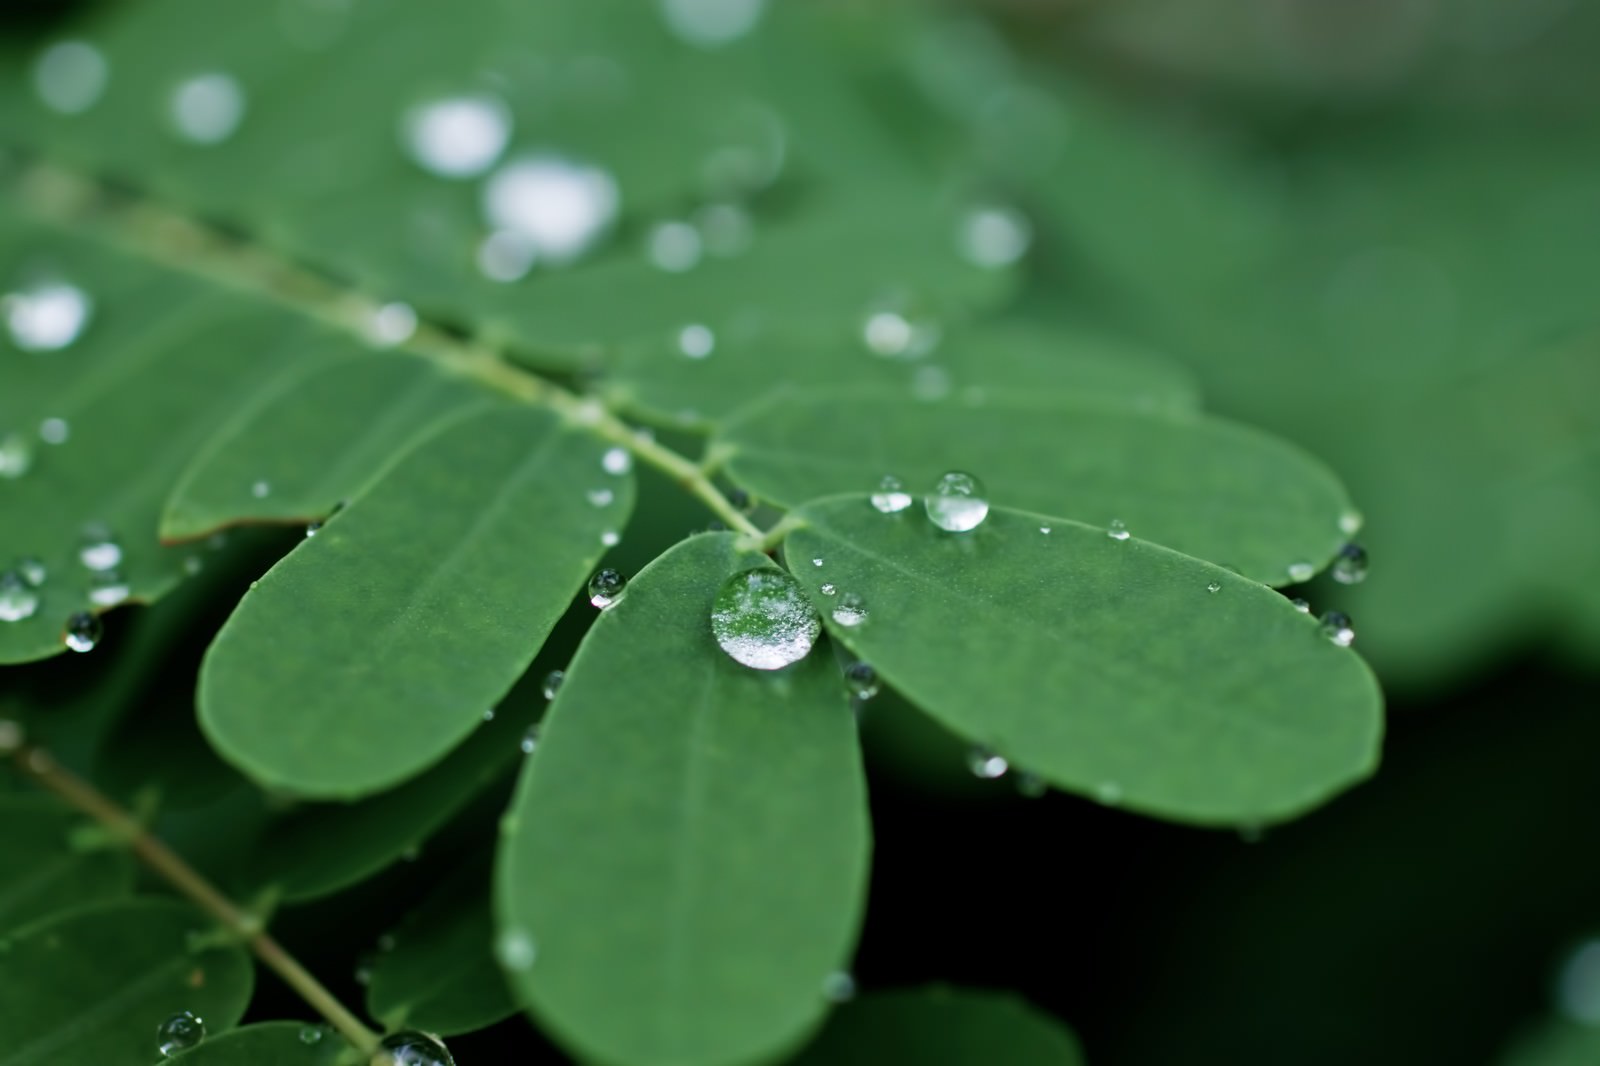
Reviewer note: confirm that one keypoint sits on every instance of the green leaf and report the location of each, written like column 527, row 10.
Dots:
column 270, row 1044
column 313, row 442
column 92, row 985
column 1202, row 486
column 687, row 850
column 42, row 871
column 941, row 1027
column 1116, row 669
column 441, row 975
column 374, row 647
column 1556, row 1043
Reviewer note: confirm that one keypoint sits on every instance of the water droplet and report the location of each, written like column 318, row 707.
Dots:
column 457, row 136
column 828, row 588
column 46, row 316
column 1350, row 523
column 1578, row 984
column 1350, row 565
column 1108, row 793
column 711, row 23
column 83, row 632
column 674, row 247
column 488, row 715
column 839, row 987
column 600, row 497
column 1118, row 530
column 1045, row 530
column 891, row 496
column 559, row 206
column 1215, row 586
column 862, row 681
column 506, row 255
column 107, row 588
column 530, row 740
column 70, row 76
column 1031, row 785
column 311, row 1034
column 261, row 490
column 392, row 324
column 606, row 588
column 763, row 619
column 18, row 600
column 986, row 764
column 1337, row 628
column 552, row 683
column 516, row 950
column 312, row 529
column 893, row 335
column 193, row 564
column 610, row 538
column 993, row 236
column 1300, row 572
column 616, row 461
column 99, row 549
column 32, row 571
column 179, row 1033
column 16, row 455
column 412, row 1048
column 54, row 431
column 850, row 611
column 725, row 229
column 1303, row 606
column 741, row 501
column 957, row 503
column 817, row 561
column 207, row 108
column 696, row 340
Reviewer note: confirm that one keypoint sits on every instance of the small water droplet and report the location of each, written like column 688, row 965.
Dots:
column 530, row 740
column 311, row 1034
column 506, row 255
column 54, row 431
column 1301, row 572
column 993, row 236
column 610, row 538
column 180, row 1032
column 850, row 611
column 600, row 497
column 457, row 136
column 83, row 631
column 412, row 853
column 839, row 987
column 16, row 456
column 986, row 764
column 18, row 600
column 552, row 683
column 957, row 503
column 193, row 564
column 107, row 588
column 391, row 324
column 99, row 549
column 606, row 587
column 892, row 335
column 891, row 496
column 32, row 571
column 1108, row 793
column 386, row 942
column 70, row 76
column 1045, row 530
column 763, row 620
column 616, row 461
column 862, row 681
column 696, row 340
column 1350, row 565
column 1031, row 785
column 741, row 501
column 412, row 1048
column 711, row 23
column 488, row 715
column 1337, row 628
column 828, row 588
column 1303, row 606
column 312, row 529
column 1215, row 586
column 1118, row 530
column 207, row 108
column 817, row 561
column 561, row 207
column 261, row 490
column 46, row 316
column 674, row 247
column 1350, row 523
column 516, row 950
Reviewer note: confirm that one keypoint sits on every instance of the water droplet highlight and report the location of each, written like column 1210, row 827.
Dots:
column 311, row 1034
column 839, row 987
column 559, row 206
column 1350, row 565
column 457, row 136
column 392, row 324
column 894, row 336
column 107, row 588
column 506, row 255
column 18, row 600
column 850, row 611
column 1336, row 627
column 828, row 588
column 985, row 764
column 957, row 503
column 261, row 490
column 99, row 549
column 1350, row 523
column 552, row 683
column 817, row 561
column 530, row 740
column 207, row 108
column 412, row 1048
column 610, row 538
column 616, row 461
column 1301, row 572
column 600, row 497
column 32, row 571
column 606, row 588
column 1215, row 586
column 762, row 619
column 70, row 76
column 992, row 237
column 46, row 316
column 891, row 496
column 180, row 1032
column 1118, row 530
column 696, row 340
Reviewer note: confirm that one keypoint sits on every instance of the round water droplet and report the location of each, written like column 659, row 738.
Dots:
column 311, row 1034
column 552, row 683
column 674, row 247
column 1303, row 606
column 54, row 431
column 559, row 206
column 711, row 23
column 696, row 340
column 107, row 588
column 616, row 461
column 47, row 316
column 457, row 136
column 1118, row 530
column 32, row 571
column 70, row 76
column 992, row 236
column 488, row 715
column 412, row 1048
column 850, row 611
column 1337, row 628
column 83, row 631
column 606, row 588
column 817, row 561
column 986, row 764
column 862, row 681
column 1215, row 586
column 16, row 456
column 894, row 336
column 207, row 108
column 1300, row 572
column 193, row 564
column 957, row 503
column 99, row 550
column 891, row 496
column 828, row 588
column 506, row 255
column 610, row 538
column 180, row 1032
column 516, row 950
column 1350, row 566
column 1578, row 984
column 1350, row 523
column 763, row 619
column 261, row 489
column 839, row 987
column 18, row 600
column 391, row 324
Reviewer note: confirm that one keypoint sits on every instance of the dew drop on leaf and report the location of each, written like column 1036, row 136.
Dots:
column 610, row 538
column 861, row 680
column 32, row 571
column 891, row 496
column 1215, row 586
column 70, row 76
column 600, row 497
column 83, row 631
column 54, row 431
column 1350, row 523
column 1350, row 566
column 47, row 316
column 311, row 1034
column 850, row 611
column 711, row 23
column 261, row 489
column 1108, row 793
column 894, row 336
column 412, row 1048
column 828, row 588
column 930, row 383
column 207, row 108
column 530, row 740
column 180, row 1032
column 606, row 587
column 1337, row 628
column 986, row 764
column 839, row 987
column 107, row 588
column 18, row 600
column 457, row 136
column 99, row 549
column 1118, row 530
column 516, row 950
column 817, row 561
column 725, row 229
column 559, row 206
column 763, row 619
column 1303, row 606
column 1300, row 572
column 957, row 503
column 506, row 255
column 552, row 683
column 16, row 456
column 674, row 247
column 696, row 340
column 616, row 461
column 992, row 236
column 391, row 324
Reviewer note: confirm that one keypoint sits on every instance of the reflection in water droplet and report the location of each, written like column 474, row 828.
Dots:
column 1215, row 586
column 99, row 549
column 891, row 496
column 1299, row 572
column 457, row 136
column 70, row 76
column 957, row 503
column 862, row 681
column 606, row 588
column 107, row 588
column 763, row 619
column 180, row 1032
column 696, row 340
column 839, row 987
column 559, row 206
column 506, row 255
column 412, row 1048
column 1336, row 627
column 993, row 236
column 392, row 324
column 1118, row 530
column 1578, row 984
column 552, row 683
column 711, row 23
column 850, row 611
column 16, row 455
column 1303, row 606
column 674, row 247
column 616, row 461
column 530, row 740
column 54, row 431
column 46, row 316
column 18, row 600
column 516, row 950
column 207, row 108
column 1350, row 566
column 986, row 764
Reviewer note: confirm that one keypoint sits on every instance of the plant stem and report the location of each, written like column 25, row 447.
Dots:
column 38, row 764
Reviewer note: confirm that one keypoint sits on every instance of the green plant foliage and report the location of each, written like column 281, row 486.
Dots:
column 1555, row 1043
column 92, row 984
column 940, row 1027
column 270, row 1044
column 42, row 870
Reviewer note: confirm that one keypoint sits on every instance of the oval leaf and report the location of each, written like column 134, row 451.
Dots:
column 372, row 649
column 688, row 845
column 941, row 1027
column 1109, row 668
column 42, row 871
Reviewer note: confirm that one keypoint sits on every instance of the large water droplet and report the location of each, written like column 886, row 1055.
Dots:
column 1300, row 572
column 99, row 549
column 839, row 987
column 16, row 456
column 70, row 76
column 207, row 108
column 457, row 136
column 412, row 1048
column 711, row 23
column 560, row 206
column 180, row 1032
column 862, row 681
column 1118, row 530
column 606, row 588
column 1336, row 627
column 696, row 340
column 83, row 631
column 1350, row 566
column 46, row 316
column 850, row 611
column 986, row 764
column 763, row 619
column 993, row 236
column 891, row 495
column 957, row 503
column 674, row 247
column 18, row 600
column 516, row 950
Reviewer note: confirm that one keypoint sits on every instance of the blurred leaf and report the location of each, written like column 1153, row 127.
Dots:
column 270, row 1044
column 941, row 1027
column 374, row 647
column 42, row 871
column 1113, row 669
column 1556, row 1043
column 92, row 985
column 687, row 851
